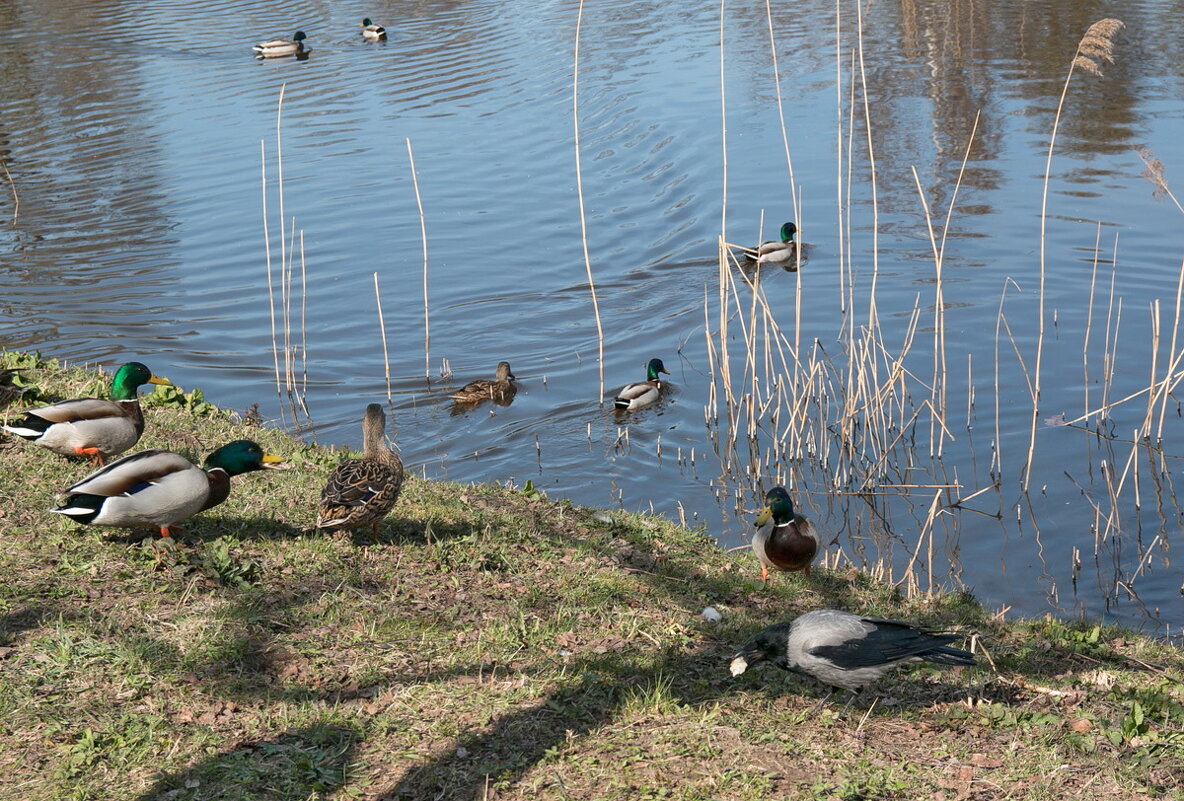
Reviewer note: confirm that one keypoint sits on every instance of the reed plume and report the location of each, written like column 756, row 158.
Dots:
column 1097, row 45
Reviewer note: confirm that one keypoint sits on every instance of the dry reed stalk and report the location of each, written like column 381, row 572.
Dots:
column 1110, row 346
column 939, row 367
column 275, row 347
column 1089, row 316
column 872, row 314
column 839, row 199
column 303, row 326
column 386, row 358
column 936, row 387
column 16, row 200
column 1172, row 352
column 423, row 238
column 1152, row 396
column 575, row 116
column 279, row 161
column 781, row 109
column 969, row 388
column 295, row 399
column 723, row 125
column 1097, row 44
column 286, row 307
column 1101, row 410
column 712, row 408
column 1154, row 173
column 1135, row 475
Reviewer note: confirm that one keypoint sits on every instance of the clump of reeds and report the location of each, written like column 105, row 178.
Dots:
column 837, row 424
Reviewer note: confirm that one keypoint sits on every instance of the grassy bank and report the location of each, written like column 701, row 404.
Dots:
column 495, row 644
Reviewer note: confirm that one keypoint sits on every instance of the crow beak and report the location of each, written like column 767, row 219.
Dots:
column 744, row 660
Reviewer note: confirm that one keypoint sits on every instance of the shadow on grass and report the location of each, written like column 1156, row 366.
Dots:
column 406, row 531
column 309, row 762
column 250, row 666
column 22, row 619
column 201, row 530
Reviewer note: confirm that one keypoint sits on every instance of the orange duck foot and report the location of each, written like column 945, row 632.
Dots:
column 96, row 456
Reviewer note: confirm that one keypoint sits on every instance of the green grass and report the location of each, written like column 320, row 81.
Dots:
column 493, row 643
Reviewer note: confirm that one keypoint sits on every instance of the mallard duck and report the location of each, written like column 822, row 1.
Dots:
column 845, row 650
column 160, row 488
column 372, row 32
column 786, row 252
column 783, row 540
column 360, row 492
column 281, row 47
column 500, row 389
column 642, row 393
column 89, row 426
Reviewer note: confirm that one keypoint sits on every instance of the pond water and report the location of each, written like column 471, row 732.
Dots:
column 141, row 146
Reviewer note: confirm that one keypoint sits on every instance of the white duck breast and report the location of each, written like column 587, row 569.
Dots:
column 147, row 488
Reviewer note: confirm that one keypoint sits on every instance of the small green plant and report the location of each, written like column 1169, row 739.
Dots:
column 531, row 493
column 217, row 561
column 1134, row 724
column 223, row 566
column 863, row 780
column 178, row 398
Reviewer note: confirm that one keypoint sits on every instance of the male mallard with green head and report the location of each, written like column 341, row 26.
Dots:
column 372, row 32
column 500, row 389
column 277, row 48
column 642, row 393
column 784, row 252
column 360, row 492
column 90, row 426
column 783, row 539
column 159, row 489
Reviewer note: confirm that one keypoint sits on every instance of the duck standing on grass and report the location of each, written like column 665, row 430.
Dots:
column 642, row 393
column 500, row 389
column 845, row 650
column 372, row 32
column 783, row 540
column 784, row 252
column 277, row 48
column 90, row 426
column 159, row 489
column 360, row 492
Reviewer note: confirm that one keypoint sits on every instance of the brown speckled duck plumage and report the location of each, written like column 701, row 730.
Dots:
column 361, row 492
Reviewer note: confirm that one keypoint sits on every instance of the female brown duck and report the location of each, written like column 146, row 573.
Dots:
column 360, row 492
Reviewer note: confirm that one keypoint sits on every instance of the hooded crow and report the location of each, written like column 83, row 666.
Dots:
column 845, row 650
